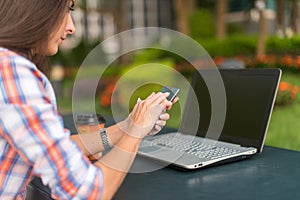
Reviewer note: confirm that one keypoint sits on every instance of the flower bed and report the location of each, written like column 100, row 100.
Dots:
column 285, row 62
column 286, row 94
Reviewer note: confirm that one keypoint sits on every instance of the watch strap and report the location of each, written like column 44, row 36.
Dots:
column 104, row 139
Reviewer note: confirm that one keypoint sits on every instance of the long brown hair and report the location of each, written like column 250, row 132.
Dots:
column 26, row 25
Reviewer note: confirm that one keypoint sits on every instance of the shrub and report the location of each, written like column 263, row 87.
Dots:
column 202, row 24
column 286, row 94
column 231, row 46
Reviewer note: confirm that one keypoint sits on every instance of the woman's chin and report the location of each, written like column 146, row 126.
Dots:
column 52, row 51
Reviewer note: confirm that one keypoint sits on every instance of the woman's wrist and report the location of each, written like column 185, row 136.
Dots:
column 130, row 128
column 115, row 132
column 123, row 125
column 129, row 139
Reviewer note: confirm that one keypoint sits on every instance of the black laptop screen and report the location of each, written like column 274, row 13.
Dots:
column 250, row 95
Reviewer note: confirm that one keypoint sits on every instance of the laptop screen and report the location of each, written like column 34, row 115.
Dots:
column 249, row 96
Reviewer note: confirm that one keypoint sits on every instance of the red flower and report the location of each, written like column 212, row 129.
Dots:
column 294, row 91
column 218, row 60
column 297, row 62
column 287, row 60
column 283, row 86
column 286, row 93
column 105, row 97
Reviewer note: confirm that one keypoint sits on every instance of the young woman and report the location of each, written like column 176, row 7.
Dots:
column 33, row 141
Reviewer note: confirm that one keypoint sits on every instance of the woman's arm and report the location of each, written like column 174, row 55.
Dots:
column 114, row 134
column 116, row 164
column 91, row 143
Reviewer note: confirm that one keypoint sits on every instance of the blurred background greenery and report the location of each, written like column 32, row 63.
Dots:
column 257, row 33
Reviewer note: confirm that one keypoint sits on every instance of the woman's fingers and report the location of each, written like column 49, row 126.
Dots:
column 146, row 113
column 164, row 116
column 148, row 116
column 160, row 123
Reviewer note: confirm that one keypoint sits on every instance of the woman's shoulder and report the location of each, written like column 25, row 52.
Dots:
column 13, row 58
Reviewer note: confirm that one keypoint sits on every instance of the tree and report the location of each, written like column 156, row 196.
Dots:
column 280, row 14
column 221, row 10
column 183, row 8
column 294, row 15
column 280, row 17
column 262, row 35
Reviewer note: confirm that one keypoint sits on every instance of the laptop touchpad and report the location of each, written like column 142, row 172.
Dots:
column 149, row 149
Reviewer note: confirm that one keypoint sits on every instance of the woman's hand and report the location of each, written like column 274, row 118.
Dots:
column 148, row 113
column 162, row 121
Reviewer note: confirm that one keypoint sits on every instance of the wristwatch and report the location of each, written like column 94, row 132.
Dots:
column 104, row 139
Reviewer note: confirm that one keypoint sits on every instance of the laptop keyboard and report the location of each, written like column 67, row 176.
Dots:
column 190, row 146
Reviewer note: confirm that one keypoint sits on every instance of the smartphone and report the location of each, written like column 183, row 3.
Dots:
column 173, row 92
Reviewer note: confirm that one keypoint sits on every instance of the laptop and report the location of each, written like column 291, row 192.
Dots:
column 225, row 118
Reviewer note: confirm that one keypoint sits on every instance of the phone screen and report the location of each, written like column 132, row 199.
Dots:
column 173, row 92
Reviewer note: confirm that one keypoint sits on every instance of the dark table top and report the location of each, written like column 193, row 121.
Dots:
column 274, row 174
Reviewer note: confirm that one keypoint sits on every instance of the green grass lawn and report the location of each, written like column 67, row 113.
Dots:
column 284, row 128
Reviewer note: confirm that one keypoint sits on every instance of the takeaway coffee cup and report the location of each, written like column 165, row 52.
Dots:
column 88, row 123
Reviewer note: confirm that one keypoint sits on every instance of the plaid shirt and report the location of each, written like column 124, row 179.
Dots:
column 33, row 140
